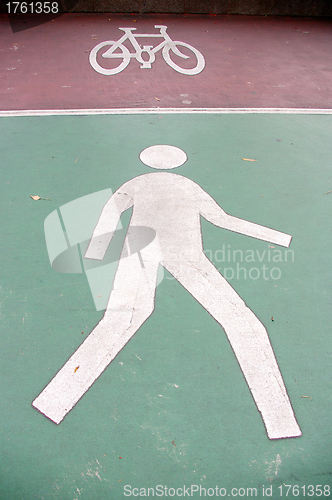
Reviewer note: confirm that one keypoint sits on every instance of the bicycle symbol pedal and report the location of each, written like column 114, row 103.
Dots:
column 118, row 51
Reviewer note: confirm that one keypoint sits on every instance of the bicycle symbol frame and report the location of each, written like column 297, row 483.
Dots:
column 166, row 46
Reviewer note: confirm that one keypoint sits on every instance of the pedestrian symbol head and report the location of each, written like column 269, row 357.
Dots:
column 163, row 157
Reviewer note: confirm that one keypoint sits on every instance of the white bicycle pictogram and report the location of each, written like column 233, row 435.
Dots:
column 167, row 46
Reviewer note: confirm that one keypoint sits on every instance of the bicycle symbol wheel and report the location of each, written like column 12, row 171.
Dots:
column 193, row 71
column 124, row 55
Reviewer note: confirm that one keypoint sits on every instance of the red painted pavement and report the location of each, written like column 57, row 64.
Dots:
column 250, row 62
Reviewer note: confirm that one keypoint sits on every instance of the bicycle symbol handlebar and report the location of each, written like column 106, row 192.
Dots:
column 118, row 51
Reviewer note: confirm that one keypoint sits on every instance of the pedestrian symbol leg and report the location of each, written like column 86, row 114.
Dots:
column 131, row 303
column 249, row 340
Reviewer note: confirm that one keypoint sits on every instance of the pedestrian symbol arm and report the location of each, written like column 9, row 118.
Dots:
column 107, row 224
column 212, row 212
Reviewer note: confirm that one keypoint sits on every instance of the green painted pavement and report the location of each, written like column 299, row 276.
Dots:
column 173, row 408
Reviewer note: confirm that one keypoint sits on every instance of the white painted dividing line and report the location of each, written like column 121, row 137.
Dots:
column 142, row 111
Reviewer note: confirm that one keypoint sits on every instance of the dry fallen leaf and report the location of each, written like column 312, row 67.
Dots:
column 36, row 198
column 157, row 98
column 77, row 367
column 247, row 159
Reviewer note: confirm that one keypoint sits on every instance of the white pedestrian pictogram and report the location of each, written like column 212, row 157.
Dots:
column 120, row 53
column 172, row 205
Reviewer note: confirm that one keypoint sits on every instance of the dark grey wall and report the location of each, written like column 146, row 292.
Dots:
column 249, row 7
